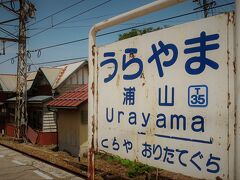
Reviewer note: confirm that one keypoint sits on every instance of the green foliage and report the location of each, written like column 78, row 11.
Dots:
column 139, row 169
column 136, row 32
column 109, row 159
column 134, row 168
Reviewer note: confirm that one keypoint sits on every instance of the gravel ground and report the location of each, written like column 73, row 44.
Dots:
column 104, row 168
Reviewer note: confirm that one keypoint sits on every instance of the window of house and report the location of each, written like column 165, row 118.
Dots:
column 35, row 119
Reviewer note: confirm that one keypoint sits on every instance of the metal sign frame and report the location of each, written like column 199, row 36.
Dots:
column 237, row 88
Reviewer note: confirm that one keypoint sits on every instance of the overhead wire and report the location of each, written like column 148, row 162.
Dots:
column 9, row 59
column 11, row 25
column 86, row 26
column 111, row 32
column 96, row 17
column 8, row 33
column 81, row 13
column 61, row 10
column 29, row 57
column 124, row 29
column 29, row 65
column 60, row 60
column 82, row 26
column 12, row 4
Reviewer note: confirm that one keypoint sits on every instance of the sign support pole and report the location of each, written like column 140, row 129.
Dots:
column 237, row 88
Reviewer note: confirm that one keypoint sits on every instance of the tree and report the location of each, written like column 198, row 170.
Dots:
column 136, row 32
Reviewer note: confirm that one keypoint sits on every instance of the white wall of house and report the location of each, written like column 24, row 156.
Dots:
column 78, row 77
column 72, row 129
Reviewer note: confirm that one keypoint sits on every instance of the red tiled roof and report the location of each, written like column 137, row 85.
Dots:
column 72, row 98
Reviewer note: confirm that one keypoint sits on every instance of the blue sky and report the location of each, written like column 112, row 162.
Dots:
column 78, row 27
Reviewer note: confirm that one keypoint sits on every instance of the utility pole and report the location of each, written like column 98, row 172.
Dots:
column 205, row 5
column 26, row 10
column 205, row 8
column 21, row 92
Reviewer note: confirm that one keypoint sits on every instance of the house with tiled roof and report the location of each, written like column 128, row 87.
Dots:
column 72, row 120
column 59, row 79
column 8, row 83
column 47, row 84
column 71, row 76
column 7, row 90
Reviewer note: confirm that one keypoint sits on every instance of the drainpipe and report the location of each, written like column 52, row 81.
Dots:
column 92, row 54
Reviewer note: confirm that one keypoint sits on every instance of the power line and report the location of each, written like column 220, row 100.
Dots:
column 60, row 60
column 84, row 19
column 7, row 21
column 10, row 9
column 10, row 59
column 29, row 65
column 64, row 9
column 61, row 10
column 11, row 25
column 48, row 17
column 81, row 13
column 29, row 57
column 85, row 26
column 83, row 39
column 120, row 30
column 8, row 46
column 8, row 33
column 96, row 17
column 56, row 45
column 65, row 19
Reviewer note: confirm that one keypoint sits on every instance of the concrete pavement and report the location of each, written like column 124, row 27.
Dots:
column 14, row 165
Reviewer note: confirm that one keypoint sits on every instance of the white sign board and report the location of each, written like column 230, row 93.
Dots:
column 166, row 98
